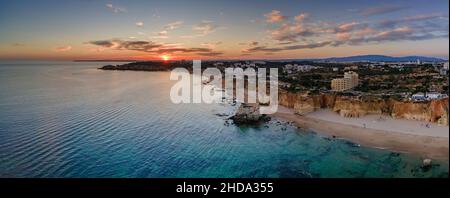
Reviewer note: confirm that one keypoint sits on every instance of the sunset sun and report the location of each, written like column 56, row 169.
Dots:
column 165, row 57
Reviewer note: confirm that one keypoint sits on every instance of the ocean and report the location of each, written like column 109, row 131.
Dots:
column 71, row 120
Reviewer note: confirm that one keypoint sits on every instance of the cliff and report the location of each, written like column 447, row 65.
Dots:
column 350, row 106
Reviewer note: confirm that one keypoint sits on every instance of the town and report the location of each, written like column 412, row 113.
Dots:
column 415, row 81
column 405, row 81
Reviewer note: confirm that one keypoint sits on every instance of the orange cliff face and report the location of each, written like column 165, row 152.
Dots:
column 435, row 111
column 440, row 112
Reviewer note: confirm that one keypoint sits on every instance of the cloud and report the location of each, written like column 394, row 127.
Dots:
column 173, row 25
column 377, row 10
column 115, row 9
column 397, row 34
column 205, row 27
column 161, row 35
column 274, row 16
column 290, row 32
column 409, row 19
column 129, row 45
column 251, row 43
column 410, row 28
column 140, row 24
column 103, row 43
column 301, row 17
column 153, row 47
column 347, row 27
column 63, row 48
column 286, row 48
column 212, row 45
column 210, row 53
column 164, row 33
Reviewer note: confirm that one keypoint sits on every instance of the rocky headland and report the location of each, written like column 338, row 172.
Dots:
column 149, row 66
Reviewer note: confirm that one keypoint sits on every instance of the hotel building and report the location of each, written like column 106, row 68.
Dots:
column 350, row 80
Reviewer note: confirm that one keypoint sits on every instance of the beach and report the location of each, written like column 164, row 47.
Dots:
column 405, row 136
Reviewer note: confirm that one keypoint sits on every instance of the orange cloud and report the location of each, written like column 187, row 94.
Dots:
column 63, row 48
column 274, row 16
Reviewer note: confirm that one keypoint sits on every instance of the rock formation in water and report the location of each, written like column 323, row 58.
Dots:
column 247, row 113
column 435, row 111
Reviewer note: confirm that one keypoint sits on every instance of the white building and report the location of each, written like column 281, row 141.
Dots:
column 418, row 97
column 435, row 96
column 427, row 96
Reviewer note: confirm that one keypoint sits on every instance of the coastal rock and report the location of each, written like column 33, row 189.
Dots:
column 247, row 113
column 108, row 67
column 426, row 164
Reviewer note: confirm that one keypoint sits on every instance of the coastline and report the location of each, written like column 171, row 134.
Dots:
column 427, row 146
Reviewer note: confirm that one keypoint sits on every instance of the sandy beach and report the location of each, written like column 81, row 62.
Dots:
column 383, row 132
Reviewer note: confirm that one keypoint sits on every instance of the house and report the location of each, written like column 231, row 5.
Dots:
column 418, row 97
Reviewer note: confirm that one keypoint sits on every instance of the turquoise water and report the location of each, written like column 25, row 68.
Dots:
column 65, row 119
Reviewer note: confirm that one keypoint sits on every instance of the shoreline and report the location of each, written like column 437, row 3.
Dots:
column 423, row 145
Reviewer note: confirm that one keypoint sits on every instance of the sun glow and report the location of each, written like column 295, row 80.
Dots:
column 165, row 57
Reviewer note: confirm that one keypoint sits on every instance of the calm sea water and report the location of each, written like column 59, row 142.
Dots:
column 64, row 119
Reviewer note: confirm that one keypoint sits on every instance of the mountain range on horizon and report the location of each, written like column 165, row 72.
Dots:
column 382, row 58
column 369, row 58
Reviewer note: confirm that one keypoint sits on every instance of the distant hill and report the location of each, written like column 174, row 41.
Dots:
column 381, row 58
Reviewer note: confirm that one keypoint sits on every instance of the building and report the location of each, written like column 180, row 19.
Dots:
column 418, row 97
column 293, row 68
column 435, row 96
column 353, row 76
column 348, row 68
column 427, row 96
column 340, row 84
column 443, row 72
column 350, row 80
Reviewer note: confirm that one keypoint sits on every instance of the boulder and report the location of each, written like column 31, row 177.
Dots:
column 247, row 113
column 426, row 163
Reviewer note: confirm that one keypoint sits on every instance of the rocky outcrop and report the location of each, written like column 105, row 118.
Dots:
column 247, row 113
column 426, row 164
column 435, row 111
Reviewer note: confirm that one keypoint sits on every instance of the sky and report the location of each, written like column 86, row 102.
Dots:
column 213, row 29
